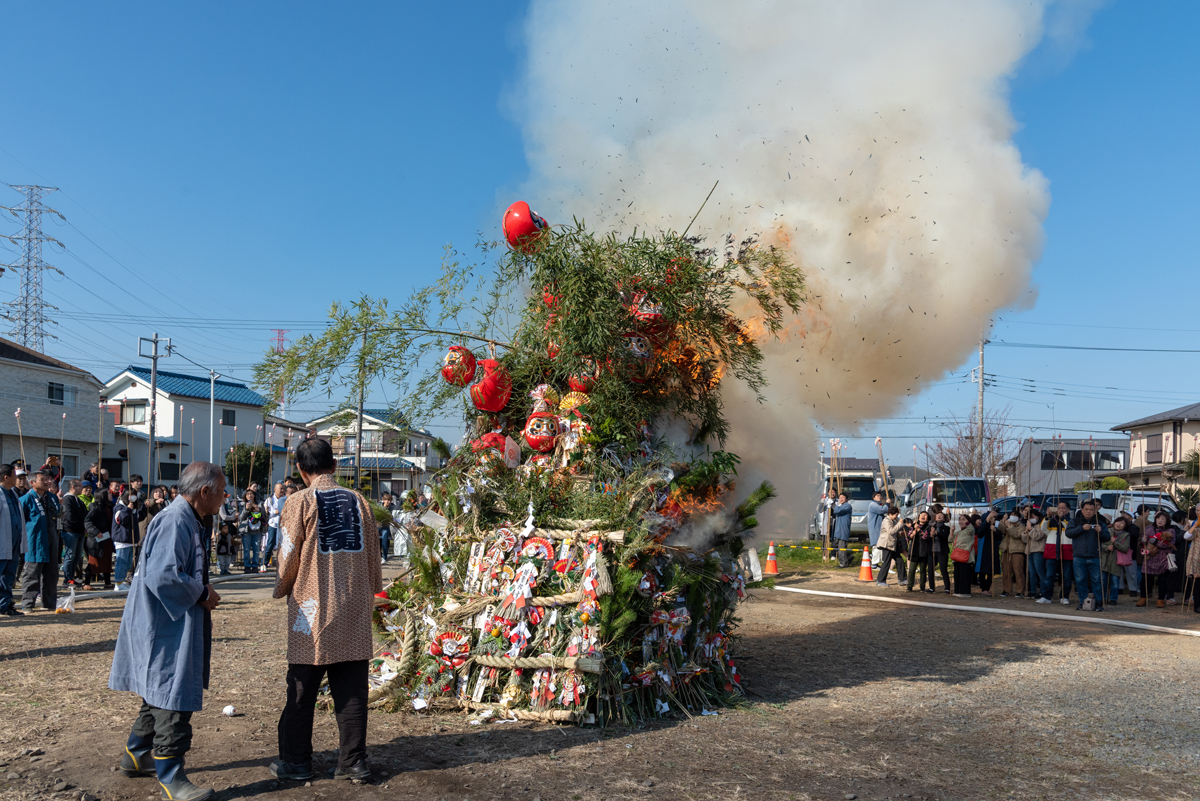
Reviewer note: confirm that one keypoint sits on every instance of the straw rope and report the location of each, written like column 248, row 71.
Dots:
column 584, row 663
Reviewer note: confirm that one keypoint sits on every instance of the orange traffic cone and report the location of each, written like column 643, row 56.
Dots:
column 772, row 566
column 864, row 570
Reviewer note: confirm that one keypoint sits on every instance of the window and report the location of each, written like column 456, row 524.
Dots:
column 972, row 491
column 372, row 440
column 115, row 468
column 859, row 489
column 168, row 471
column 133, row 413
column 350, row 444
column 1154, row 449
column 229, row 417
column 69, row 464
column 1083, row 460
column 60, row 394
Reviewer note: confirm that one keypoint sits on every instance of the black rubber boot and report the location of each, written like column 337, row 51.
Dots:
column 174, row 782
column 137, row 761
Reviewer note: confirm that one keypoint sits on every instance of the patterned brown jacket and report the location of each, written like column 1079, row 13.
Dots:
column 329, row 570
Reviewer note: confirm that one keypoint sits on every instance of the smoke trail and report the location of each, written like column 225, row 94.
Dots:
column 871, row 139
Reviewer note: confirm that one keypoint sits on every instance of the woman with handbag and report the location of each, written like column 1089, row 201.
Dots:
column 1114, row 557
column 963, row 556
column 1158, row 549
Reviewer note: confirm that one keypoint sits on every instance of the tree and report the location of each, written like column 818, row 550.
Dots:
column 597, row 418
column 240, row 460
column 1109, row 483
column 957, row 454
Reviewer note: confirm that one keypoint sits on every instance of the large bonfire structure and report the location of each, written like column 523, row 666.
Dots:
column 589, row 554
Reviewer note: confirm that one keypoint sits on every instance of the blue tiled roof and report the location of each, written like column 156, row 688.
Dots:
column 378, row 463
column 190, row 386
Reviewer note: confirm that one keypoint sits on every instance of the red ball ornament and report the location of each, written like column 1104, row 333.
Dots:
column 541, row 430
column 522, row 226
column 458, row 367
column 435, row 649
column 492, row 392
column 585, row 379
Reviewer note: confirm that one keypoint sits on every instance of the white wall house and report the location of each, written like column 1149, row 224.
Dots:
column 45, row 389
column 182, row 431
column 1158, row 447
column 395, row 458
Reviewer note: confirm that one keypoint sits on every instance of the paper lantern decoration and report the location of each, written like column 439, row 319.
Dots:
column 585, row 379
column 541, row 430
column 458, row 367
column 639, row 357
column 492, row 392
column 522, row 226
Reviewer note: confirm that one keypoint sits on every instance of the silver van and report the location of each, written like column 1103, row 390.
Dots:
column 859, row 489
column 956, row 494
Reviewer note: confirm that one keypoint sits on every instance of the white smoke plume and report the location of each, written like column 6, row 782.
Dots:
column 873, row 140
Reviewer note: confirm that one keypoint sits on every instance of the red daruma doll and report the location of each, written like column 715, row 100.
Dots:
column 458, row 368
column 492, row 392
column 541, row 430
column 522, row 226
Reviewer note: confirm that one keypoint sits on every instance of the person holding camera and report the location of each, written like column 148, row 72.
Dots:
column 251, row 524
column 1059, row 553
column 1086, row 534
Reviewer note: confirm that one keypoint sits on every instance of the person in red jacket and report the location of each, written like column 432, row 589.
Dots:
column 1059, row 553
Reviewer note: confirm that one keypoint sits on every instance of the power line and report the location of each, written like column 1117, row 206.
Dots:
column 1089, row 347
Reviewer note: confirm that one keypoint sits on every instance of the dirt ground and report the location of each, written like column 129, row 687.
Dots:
column 848, row 699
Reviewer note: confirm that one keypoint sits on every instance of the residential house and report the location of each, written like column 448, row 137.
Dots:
column 1054, row 465
column 395, row 457
column 60, row 411
column 1159, row 445
column 188, row 427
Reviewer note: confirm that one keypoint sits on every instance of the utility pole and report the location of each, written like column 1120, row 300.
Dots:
column 28, row 311
column 212, row 413
column 979, row 408
column 153, row 357
column 358, row 445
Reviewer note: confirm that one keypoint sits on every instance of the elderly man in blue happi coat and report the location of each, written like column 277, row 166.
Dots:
column 165, row 640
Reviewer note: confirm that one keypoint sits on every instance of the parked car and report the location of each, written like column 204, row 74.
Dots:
column 1113, row 502
column 1047, row 502
column 955, row 493
column 1008, row 503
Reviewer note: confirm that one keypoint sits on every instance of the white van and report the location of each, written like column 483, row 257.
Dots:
column 956, row 494
column 1113, row 502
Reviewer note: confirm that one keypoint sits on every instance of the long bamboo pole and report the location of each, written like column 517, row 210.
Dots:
column 21, row 438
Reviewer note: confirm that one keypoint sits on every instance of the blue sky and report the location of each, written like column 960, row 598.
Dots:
column 248, row 166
